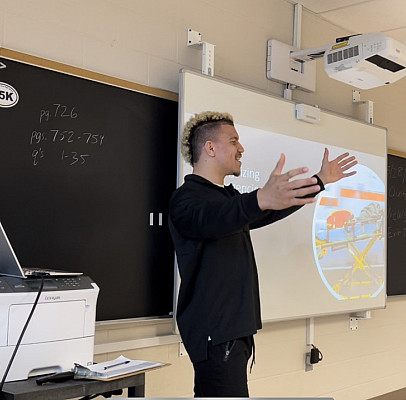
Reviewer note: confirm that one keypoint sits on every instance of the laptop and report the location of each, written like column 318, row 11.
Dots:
column 10, row 266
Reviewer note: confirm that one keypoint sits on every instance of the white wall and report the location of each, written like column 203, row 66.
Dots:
column 145, row 41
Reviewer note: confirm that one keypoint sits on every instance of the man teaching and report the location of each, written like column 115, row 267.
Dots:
column 218, row 304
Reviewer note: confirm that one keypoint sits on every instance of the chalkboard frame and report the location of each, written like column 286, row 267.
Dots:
column 87, row 74
column 395, row 244
column 98, row 78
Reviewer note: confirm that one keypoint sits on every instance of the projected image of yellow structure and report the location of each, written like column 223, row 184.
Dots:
column 349, row 235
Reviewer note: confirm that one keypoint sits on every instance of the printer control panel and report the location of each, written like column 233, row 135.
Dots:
column 14, row 285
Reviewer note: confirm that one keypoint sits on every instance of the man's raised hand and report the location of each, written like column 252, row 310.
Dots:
column 282, row 192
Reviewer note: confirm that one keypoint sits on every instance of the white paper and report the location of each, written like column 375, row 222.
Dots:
column 121, row 366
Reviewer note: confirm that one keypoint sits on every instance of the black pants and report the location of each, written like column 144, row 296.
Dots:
column 224, row 373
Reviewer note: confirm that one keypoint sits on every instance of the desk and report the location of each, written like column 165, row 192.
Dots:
column 29, row 390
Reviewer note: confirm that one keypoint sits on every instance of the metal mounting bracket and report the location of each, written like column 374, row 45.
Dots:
column 354, row 318
column 194, row 38
column 369, row 106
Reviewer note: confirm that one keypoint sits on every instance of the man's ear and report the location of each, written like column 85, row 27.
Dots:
column 209, row 148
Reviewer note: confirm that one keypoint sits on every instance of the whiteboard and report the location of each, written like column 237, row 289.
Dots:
column 328, row 257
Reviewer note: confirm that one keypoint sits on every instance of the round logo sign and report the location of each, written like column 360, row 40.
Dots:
column 8, row 95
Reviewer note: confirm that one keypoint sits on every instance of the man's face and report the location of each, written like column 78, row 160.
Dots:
column 228, row 150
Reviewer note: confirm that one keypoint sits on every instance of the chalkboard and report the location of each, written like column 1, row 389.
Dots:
column 396, row 195
column 328, row 257
column 86, row 172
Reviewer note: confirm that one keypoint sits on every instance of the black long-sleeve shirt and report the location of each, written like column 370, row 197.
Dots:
column 219, row 290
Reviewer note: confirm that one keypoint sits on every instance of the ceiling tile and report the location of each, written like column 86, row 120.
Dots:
column 319, row 6
column 363, row 16
column 370, row 17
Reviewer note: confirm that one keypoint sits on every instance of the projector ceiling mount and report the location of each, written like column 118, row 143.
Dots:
column 364, row 61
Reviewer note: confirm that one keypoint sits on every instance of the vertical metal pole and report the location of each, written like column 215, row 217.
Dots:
column 309, row 331
column 297, row 26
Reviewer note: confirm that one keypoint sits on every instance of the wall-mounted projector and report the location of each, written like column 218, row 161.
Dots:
column 366, row 61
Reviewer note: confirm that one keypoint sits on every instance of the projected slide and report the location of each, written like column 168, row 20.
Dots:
column 348, row 236
column 347, row 222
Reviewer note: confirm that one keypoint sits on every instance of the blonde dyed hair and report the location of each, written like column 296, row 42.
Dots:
column 198, row 130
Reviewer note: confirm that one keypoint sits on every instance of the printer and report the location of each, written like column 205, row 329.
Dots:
column 61, row 330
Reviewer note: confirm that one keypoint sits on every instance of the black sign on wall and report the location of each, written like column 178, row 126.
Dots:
column 86, row 173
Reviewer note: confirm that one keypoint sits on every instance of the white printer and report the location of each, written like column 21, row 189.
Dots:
column 61, row 331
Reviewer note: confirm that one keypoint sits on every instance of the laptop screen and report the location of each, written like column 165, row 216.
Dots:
column 9, row 264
